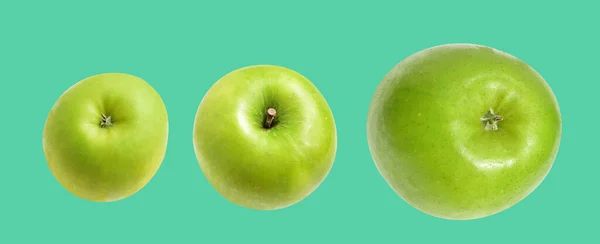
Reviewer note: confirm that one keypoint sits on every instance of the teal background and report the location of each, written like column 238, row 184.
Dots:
column 345, row 48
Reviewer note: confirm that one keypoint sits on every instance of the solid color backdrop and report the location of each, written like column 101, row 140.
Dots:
column 182, row 47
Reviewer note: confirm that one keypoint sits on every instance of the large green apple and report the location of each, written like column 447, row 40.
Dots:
column 264, row 137
column 106, row 136
column 463, row 131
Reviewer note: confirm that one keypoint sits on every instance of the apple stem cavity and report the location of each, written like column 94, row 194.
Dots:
column 490, row 120
column 271, row 113
column 106, row 121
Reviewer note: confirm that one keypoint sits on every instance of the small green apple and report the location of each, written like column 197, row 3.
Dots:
column 106, row 136
column 463, row 131
column 264, row 137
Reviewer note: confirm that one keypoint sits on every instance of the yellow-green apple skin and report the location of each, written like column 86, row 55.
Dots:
column 255, row 165
column 106, row 136
column 463, row 131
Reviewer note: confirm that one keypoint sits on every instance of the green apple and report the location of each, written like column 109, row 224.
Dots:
column 463, row 131
column 264, row 137
column 106, row 137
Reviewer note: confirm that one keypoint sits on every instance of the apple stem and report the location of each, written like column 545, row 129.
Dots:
column 106, row 121
column 490, row 120
column 271, row 112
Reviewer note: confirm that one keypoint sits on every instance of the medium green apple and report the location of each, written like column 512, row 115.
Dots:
column 264, row 137
column 106, row 136
column 463, row 131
